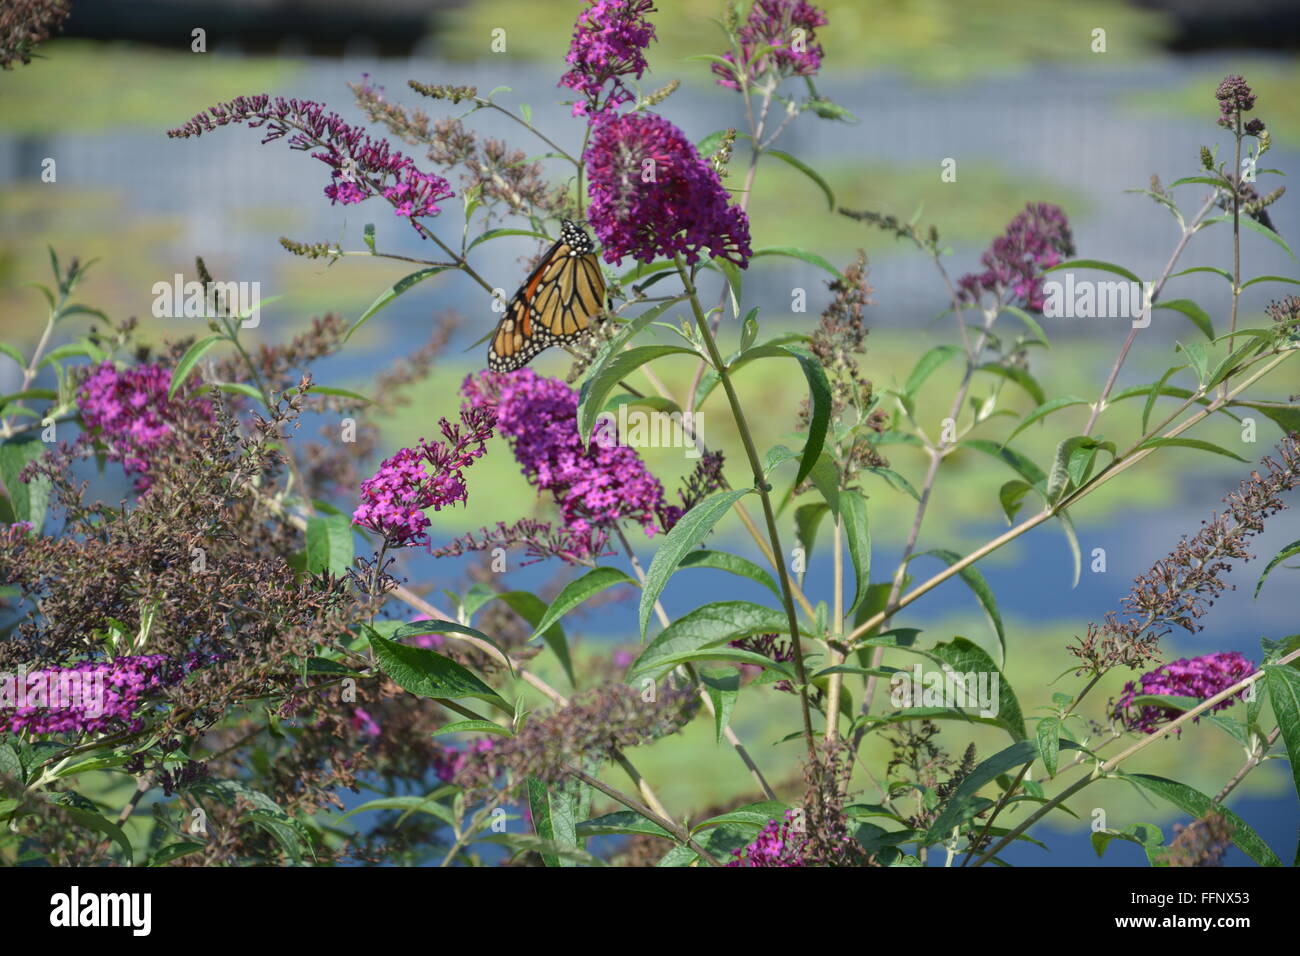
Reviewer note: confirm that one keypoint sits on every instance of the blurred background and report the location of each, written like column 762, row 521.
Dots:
column 1010, row 89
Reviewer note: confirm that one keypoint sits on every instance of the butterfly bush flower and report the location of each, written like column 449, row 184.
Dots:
column 130, row 412
column 430, row 475
column 609, row 42
column 786, row 28
column 1235, row 96
column 361, row 166
column 773, row 846
column 596, row 484
column 93, row 696
column 652, row 196
column 1034, row 241
column 1201, row 677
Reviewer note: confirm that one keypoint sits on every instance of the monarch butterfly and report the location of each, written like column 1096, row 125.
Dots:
column 556, row 302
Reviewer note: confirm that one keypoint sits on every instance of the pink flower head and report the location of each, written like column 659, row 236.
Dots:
column 1201, row 677
column 597, row 484
column 129, row 411
column 1035, row 240
column 787, row 27
column 772, row 847
column 609, row 42
column 431, row 475
column 652, row 196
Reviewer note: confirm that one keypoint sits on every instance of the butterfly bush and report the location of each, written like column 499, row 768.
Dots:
column 130, row 412
column 595, row 484
column 788, row 28
column 1200, row 677
column 121, row 688
column 609, row 43
column 270, row 632
column 653, row 196
column 430, row 476
column 1034, row 241
column 361, row 166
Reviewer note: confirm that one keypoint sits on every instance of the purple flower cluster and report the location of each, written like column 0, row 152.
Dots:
column 778, row 36
column 595, row 486
column 609, row 42
column 772, row 847
column 1235, row 96
column 1035, row 240
column 88, row 697
column 129, row 411
column 653, row 196
column 449, row 764
column 394, row 500
column 361, row 165
column 1201, row 677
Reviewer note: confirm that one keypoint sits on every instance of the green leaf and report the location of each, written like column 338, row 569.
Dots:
column 576, row 592
column 754, row 815
column 1048, row 734
column 472, row 726
column 408, row 804
column 723, row 687
column 1096, row 264
column 623, row 821
column 967, row 657
column 975, row 581
column 820, row 394
column 188, row 362
column 91, row 820
column 1214, row 269
column 329, row 544
column 498, row 233
column 1289, row 551
column 1254, row 226
column 1043, row 410
column 174, row 851
column 1284, row 692
column 705, row 627
column 926, row 366
column 1250, row 282
column 684, row 537
column 536, row 844
column 807, row 171
column 391, row 293
column 853, row 511
column 1030, row 323
column 1189, row 443
column 803, row 255
column 1015, row 756
column 239, row 388
column 431, row 626
column 1200, row 318
column 806, row 519
column 426, row 673
column 1011, row 496
column 13, row 353
column 1197, row 804
column 27, row 500
column 732, row 564
column 595, row 390
column 1019, row 376
column 554, row 818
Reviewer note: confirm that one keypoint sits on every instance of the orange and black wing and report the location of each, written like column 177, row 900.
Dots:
column 556, row 303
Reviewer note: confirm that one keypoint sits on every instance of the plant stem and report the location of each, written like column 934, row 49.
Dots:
column 760, row 485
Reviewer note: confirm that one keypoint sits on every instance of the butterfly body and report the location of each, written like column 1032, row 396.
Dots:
column 556, row 303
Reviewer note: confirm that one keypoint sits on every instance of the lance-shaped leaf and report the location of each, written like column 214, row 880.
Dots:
column 706, row 627
column 684, row 537
column 427, row 673
column 980, row 587
column 576, row 592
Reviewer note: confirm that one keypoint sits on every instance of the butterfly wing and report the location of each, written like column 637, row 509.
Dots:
column 556, row 303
